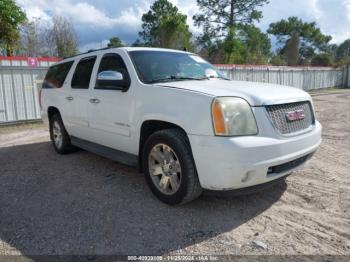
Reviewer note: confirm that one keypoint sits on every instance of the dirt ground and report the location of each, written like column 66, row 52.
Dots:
column 84, row 204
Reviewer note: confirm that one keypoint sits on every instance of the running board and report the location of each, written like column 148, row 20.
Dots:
column 107, row 152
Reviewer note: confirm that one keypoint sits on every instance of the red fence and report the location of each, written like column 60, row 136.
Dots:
column 28, row 61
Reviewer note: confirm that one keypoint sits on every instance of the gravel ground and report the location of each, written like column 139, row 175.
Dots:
column 84, row 204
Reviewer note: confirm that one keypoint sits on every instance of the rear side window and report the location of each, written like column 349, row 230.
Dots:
column 56, row 75
column 82, row 74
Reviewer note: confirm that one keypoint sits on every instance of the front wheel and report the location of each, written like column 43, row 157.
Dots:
column 169, row 167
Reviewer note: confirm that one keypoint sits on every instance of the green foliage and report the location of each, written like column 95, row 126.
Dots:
column 164, row 26
column 306, row 53
column 278, row 60
column 257, row 45
column 11, row 17
column 246, row 45
column 174, row 33
column 343, row 51
column 249, row 45
column 115, row 42
column 208, row 44
column 323, row 59
column 233, row 48
column 228, row 31
column 295, row 34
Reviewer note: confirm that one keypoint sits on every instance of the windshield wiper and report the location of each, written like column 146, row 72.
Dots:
column 221, row 77
column 176, row 78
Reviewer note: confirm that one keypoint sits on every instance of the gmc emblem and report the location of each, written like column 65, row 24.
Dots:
column 295, row 115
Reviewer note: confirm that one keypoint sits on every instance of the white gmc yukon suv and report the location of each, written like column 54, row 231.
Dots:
column 185, row 125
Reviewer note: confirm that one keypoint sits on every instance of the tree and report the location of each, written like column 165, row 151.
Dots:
column 343, row 52
column 306, row 53
column 11, row 17
column 291, row 50
column 228, row 24
column 164, row 26
column 208, row 45
column 138, row 43
column 293, row 33
column 233, row 48
column 62, row 37
column 217, row 17
column 31, row 44
column 174, row 33
column 115, row 42
column 257, row 45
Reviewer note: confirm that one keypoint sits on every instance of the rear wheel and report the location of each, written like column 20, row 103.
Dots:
column 169, row 167
column 59, row 136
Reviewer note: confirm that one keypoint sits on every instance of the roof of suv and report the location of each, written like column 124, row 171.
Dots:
column 128, row 49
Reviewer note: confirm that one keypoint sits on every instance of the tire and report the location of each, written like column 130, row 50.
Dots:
column 177, row 181
column 59, row 136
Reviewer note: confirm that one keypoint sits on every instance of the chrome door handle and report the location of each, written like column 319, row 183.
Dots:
column 69, row 98
column 94, row 101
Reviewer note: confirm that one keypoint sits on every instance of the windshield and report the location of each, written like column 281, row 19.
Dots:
column 163, row 66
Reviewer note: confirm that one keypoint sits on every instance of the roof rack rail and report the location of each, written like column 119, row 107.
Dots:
column 90, row 51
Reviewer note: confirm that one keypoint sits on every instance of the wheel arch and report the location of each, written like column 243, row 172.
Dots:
column 149, row 127
column 52, row 110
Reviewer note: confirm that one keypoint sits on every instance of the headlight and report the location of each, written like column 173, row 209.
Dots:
column 233, row 116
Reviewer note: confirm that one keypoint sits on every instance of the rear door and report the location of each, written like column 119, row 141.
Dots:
column 111, row 110
column 78, row 98
column 54, row 89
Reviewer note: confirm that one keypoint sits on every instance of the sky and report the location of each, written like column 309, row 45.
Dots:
column 96, row 21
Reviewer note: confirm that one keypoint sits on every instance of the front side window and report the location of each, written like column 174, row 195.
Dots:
column 164, row 66
column 110, row 65
column 82, row 74
column 56, row 75
column 112, row 62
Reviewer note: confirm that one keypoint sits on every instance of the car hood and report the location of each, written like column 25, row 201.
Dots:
column 257, row 94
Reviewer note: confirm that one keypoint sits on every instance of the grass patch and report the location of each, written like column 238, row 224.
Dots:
column 13, row 127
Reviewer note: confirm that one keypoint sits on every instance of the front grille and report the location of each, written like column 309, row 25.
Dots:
column 278, row 116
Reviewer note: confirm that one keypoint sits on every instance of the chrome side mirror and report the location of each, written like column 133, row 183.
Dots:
column 110, row 76
column 113, row 80
column 211, row 73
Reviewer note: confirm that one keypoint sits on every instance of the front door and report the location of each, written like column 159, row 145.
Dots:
column 111, row 110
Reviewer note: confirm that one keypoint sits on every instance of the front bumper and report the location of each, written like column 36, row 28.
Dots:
column 227, row 163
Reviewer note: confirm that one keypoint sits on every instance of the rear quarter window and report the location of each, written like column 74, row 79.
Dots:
column 56, row 75
column 83, row 71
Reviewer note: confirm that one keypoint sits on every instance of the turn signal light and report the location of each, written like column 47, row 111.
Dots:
column 218, row 119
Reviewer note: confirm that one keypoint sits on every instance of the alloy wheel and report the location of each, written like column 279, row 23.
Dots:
column 165, row 169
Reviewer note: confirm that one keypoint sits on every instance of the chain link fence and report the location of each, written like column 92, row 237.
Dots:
column 20, row 80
